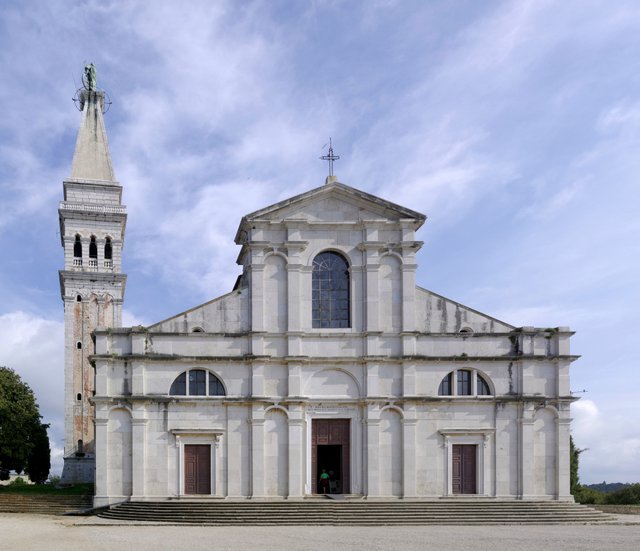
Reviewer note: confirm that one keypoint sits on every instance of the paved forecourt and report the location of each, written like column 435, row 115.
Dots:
column 37, row 532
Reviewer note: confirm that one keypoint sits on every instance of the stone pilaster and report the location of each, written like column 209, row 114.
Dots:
column 373, row 452
column 102, row 472
column 257, row 454
column 138, row 463
column 409, row 424
column 563, row 459
column 526, row 458
column 296, row 447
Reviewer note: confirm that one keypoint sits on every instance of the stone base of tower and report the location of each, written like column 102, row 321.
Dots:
column 78, row 470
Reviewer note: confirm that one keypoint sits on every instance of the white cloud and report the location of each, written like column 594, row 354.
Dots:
column 129, row 319
column 611, row 440
column 33, row 347
column 543, row 315
column 57, row 454
column 622, row 114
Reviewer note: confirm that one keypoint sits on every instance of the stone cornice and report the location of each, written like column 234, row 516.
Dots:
column 335, row 401
column 326, row 359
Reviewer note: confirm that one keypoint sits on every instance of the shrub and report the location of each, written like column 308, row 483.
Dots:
column 588, row 496
column 630, row 495
column 53, row 480
column 18, row 481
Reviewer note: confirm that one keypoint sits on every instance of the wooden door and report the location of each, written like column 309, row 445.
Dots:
column 463, row 469
column 331, row 432
column 197, row 469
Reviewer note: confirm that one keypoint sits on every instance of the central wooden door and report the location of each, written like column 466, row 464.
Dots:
column 331, row 442
column 463, row 469
column 197, row 469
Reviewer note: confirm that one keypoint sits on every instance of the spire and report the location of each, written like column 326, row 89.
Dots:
column 92, row 160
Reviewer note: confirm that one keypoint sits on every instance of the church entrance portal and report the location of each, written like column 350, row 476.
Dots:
column 197, row 469
column 330, row 450
column 463, row 469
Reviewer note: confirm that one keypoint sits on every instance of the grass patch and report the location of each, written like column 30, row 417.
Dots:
column 47, row 489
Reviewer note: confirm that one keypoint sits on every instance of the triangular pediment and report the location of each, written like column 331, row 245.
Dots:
column 334, row 202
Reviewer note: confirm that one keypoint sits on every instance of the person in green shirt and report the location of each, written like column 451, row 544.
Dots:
column 324, row 482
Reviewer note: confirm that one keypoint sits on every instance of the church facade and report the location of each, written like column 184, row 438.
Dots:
column 327, row 357
column 326, row 362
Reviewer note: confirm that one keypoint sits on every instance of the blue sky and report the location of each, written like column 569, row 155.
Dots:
column 513, row 125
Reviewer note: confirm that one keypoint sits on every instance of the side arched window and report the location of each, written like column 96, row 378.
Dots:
column 77, row 247
column 179, row 386
column 445, row 386
column 195, row 382
column 330, row 291
column 108, row 249
column 482, row 387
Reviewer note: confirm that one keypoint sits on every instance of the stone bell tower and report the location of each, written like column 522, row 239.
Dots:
column 92, row 227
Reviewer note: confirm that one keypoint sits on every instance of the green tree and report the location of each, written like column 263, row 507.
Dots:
column 23, row 437
column 39, row 461
column 574, row 459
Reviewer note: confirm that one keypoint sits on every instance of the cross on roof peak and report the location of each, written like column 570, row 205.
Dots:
column 330, row 157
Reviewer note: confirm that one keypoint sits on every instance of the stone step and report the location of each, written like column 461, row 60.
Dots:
column 355, row 513
column 331, row 507
column 359, row 510
column 45, row 504
column 333, row 518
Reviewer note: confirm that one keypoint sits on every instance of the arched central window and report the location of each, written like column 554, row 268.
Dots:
column 195, row 382
column 330, row 291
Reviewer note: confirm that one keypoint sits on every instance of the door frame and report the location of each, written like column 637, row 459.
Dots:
column 345, row 454
column 478, row 437
column 186, row 437
column 326, row 411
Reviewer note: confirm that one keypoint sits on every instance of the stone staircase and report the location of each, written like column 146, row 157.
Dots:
column 43, row 504
column 355, row 513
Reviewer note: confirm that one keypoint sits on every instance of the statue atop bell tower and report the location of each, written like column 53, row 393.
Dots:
column 92, row 227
